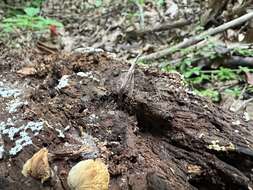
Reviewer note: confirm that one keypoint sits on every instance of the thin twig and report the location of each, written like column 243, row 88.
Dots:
column 198, row 38
column 163, row 27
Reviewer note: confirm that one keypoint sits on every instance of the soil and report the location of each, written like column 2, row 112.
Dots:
column 157, row 136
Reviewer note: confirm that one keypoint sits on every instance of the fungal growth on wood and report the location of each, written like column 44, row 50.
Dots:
column 159, row 136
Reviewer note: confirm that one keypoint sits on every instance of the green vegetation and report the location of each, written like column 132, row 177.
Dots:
column 28, row 21
column 197, row 75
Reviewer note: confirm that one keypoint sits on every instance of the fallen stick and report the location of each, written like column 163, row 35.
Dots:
column 162, row 27
column 198, row 38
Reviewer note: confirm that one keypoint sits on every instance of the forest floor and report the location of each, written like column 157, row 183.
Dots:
column 62, row 93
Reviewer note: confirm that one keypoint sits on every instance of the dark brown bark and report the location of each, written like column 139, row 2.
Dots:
column 159, row 137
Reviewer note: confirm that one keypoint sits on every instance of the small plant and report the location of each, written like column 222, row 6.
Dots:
column 196, row 76
column 226, row 74
column 160, row 2
column 29, row 21
column 243, row 52
column 235, row 92
column 98, row 3
column 214, row 95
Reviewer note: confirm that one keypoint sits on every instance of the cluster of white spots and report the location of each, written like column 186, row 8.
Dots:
column 6, row 91
column 20, row 135
column 190, row 92
column 88, row 50
column 23, row 139
column 246, row 116
column 60, row 133
column 88, row 75
column 236, row 123
column 63, row 82
column 9, row 92
column 67, row 128
column 15, row 104
column 89, row 141
column 1, row 151
column 93, row 118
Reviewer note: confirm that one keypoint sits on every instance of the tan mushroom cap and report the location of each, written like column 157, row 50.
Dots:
column 89, row 175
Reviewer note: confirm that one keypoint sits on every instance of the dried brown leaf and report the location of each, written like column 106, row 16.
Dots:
column 27, row 71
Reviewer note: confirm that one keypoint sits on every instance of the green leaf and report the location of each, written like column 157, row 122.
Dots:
column 213, row 94
column 51, row 22
column 160, row 2
column 200, row 79
column 98, row 3
column 226, row 74
column 31, row 11
column 243, row 69
column 236, row 92
column 192, row 71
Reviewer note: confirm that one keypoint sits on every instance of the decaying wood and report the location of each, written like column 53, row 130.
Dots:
column 184, row 126
column 161, row 136
column 196, row 39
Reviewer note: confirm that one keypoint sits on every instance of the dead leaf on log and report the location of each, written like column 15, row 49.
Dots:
column 194, row 169
column 89, row 175
column 38, row 166
column 26, row 71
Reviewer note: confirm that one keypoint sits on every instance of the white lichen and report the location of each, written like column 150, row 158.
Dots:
column 23, row 138
column 20, row 135
column 236, row 123
column 88, row 75
column 60, row 133
column 246, row 116
column 11, row 132
column 1, row 151
column 34, row 126
column 93, row 118
column 88, row 50
column 7, row 92
column 20, row 144
column 15, row 104
column 66, row 128
column 89, row 141
column 82, row 74
column 63, row 82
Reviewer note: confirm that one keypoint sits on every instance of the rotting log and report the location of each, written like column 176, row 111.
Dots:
column 160, row 136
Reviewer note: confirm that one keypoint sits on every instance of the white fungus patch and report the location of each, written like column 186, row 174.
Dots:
column 20, row 135
column 93, row 118
column 60, row 133
column 6, row 91
column 1, row 151
column 23, row 139
column 66, row 128
column 246, row 116
column 88, row 75
column 63, row 82
column 88, row 50
column 89, row 141
column 236, row 123
column 15, row 104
